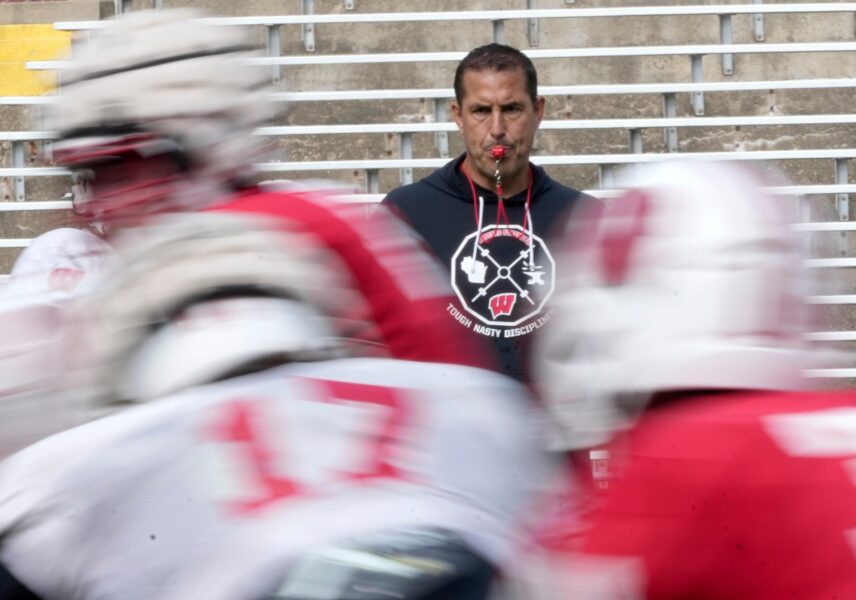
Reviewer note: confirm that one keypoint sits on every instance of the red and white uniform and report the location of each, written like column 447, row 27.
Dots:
column 210, row 493
column 731, row 496
column 58, row 264
column 404, row 287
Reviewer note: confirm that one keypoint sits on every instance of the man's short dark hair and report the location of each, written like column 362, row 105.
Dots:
column 496, row 57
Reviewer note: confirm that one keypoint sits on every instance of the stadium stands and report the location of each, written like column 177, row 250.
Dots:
column 368, row 96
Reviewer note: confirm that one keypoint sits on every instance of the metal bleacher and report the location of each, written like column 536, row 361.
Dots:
column 817, row 167
column 440, row 127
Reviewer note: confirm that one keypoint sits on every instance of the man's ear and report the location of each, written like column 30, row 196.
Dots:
column 456, row 114
column 540, row 104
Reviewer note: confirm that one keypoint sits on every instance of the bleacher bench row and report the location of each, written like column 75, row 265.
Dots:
column 439, row 125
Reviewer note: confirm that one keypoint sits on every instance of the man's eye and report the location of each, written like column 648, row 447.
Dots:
column 482, row 110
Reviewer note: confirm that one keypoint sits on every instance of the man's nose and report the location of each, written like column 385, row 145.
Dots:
column 497, row 124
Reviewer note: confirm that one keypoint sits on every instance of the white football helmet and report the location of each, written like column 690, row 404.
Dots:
column 692, row 280
column 200, row 297
column 160, row 84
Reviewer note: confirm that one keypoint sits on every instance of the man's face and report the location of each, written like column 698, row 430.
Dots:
column 496, row 110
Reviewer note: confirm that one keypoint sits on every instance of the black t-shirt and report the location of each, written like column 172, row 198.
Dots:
column 503, row 272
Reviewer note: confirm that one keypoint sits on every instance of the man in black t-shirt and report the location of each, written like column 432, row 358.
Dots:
column 488, row 213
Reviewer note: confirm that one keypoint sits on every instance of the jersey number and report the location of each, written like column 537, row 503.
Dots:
column 239, row 423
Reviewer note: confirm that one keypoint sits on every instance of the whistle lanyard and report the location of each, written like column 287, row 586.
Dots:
column 501, row 214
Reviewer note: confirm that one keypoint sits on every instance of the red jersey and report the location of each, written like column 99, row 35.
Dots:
column 744, row 495
column 402, row 285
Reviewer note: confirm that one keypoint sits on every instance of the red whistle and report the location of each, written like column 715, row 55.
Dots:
column 498, row 152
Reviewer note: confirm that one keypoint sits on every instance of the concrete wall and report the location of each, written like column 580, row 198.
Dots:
column 555, row 33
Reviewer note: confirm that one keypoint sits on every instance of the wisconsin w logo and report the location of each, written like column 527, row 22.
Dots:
column 502, row 304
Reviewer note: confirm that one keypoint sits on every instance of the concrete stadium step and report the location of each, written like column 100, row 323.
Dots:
column 363, row 38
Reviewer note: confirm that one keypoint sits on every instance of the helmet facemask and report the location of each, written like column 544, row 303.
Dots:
column 119, row 181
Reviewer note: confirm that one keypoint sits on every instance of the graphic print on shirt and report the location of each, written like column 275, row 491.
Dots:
column 503, row 278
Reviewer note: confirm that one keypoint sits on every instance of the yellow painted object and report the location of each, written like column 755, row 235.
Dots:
column 20, row 43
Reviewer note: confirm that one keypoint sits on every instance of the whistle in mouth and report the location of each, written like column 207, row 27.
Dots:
column 498, row 153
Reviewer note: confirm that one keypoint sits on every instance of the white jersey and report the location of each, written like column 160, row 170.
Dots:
column 211, row 493
column 33, row 355
column 56, row 268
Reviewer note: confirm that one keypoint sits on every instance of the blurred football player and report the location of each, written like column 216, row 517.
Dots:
column 298, row 467
column 681, row 345
column 156, row 117
column 158, row 114
column 126, row 162
column 257, row 438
